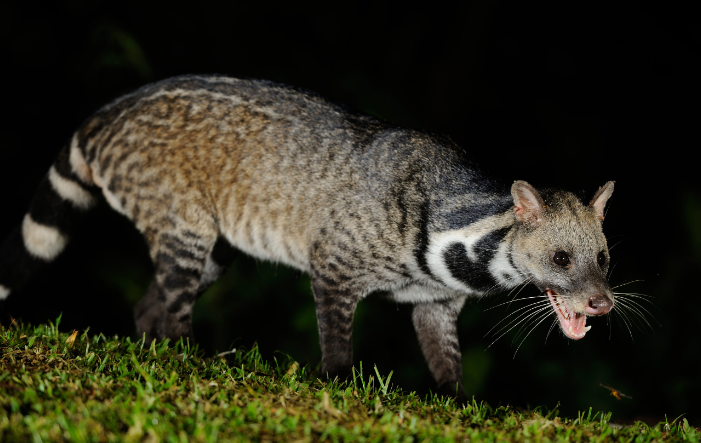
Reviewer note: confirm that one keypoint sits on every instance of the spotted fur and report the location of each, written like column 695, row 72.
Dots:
column 201, row 164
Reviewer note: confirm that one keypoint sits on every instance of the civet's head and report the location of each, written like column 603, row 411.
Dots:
column 560, row 247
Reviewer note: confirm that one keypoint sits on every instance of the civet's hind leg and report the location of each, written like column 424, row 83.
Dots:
column 184, row 268
column 436, row 326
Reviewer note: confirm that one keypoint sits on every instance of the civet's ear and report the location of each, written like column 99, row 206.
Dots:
column 600, row 199
column 528, row 204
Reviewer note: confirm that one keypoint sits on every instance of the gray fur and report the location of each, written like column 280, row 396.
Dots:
column 361, row 205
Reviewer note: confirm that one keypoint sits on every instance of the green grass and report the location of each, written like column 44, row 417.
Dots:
column 113, row 389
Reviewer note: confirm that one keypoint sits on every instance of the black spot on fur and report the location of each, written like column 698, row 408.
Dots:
column 422, row 239
column 184, row 299
column 181, row 278
column 325, row 279
column 343, row 277
column 339, row 260
column 476, row 273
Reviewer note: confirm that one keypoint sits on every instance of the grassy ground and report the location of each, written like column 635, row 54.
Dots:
column 95, row 388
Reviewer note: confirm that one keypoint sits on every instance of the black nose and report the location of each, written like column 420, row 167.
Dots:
column 599, row 305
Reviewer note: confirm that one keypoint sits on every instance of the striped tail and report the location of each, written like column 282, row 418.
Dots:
column 61, row 199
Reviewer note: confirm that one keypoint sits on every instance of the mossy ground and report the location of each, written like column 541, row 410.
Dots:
column 112, row 389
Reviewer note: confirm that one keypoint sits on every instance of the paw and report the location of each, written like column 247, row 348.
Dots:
column 453, row 390
column 342, row 374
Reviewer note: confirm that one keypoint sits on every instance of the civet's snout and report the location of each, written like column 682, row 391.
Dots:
column 598, row 305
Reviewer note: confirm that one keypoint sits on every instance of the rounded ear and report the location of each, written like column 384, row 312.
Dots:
column 600, row 199
column 528, row 204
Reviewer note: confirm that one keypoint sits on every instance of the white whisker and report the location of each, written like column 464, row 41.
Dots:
column 551, row 329
column 633, row 306
column 524, row 317
column 530, row 307
column 616, row 244
column 527, row 282
column 624, row 319
column 632, row 316
column 627, row 283
column 529, row 333
column 511, row 301
column 534, row 318
column 645, row 297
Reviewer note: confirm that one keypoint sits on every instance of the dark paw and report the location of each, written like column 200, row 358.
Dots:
column 455, row 391
column 341, row 375
column 175, row 328
column 148, row 330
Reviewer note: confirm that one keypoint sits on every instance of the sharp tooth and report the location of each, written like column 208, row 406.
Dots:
column 587, row 329
column 570, row 330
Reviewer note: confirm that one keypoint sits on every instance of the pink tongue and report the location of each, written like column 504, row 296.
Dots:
column 573, row 325
column 578, row 322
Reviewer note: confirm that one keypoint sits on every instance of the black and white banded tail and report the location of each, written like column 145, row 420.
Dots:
column 60, row 200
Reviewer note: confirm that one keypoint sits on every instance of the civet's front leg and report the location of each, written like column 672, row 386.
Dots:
column 334, row 313
column 436, row 327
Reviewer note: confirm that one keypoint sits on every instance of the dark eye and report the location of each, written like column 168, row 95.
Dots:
column 561, row 259
column 601, row 259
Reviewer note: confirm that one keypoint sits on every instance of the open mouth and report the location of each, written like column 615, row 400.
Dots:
column 573, row 324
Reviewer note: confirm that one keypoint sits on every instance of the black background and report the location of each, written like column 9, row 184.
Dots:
column 564, row 94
